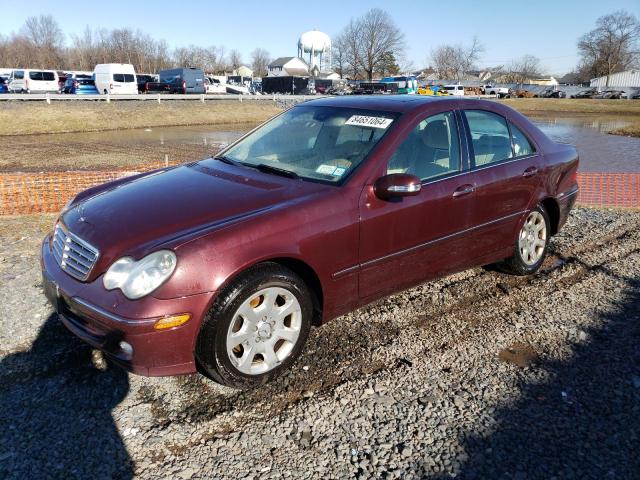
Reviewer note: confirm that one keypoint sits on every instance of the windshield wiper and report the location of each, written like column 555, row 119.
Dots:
column 263, row 167
column 227, row 160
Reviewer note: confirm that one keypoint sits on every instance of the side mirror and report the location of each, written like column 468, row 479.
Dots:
column 397, row 185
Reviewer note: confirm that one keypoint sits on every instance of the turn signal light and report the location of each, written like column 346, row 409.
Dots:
column 171, row 321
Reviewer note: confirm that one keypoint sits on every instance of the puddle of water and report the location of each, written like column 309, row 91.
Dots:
column 598, row 150
column 194, row 135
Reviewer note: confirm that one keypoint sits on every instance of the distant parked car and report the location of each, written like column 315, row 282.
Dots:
column 433, row 90
column 62, row 78
column 213, row 85
column 612, row 94
column 635, row 95
column 28, row 81
column 4, row 84
column 493, row 90
column 80, row 85
column 179, row 80
column 551, row 93
column 457, row 90
column 520, row 93
column 143, row 79
column 115, row 78
column 588, row 93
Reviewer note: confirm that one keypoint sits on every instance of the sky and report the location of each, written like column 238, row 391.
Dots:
column 547, row 29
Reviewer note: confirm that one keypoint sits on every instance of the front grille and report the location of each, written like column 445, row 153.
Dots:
column 74, row 255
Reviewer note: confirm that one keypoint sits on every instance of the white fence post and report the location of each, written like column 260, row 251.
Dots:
column 108, row 98
column 202, row 97
column 159, row 99
column 47, row 98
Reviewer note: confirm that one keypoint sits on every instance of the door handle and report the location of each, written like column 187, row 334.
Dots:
column 463, row 190
column 530, row 172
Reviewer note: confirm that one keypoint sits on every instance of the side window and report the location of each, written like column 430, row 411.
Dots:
column 118, row 77
column 489, row 136
column 431, row 150
column 521, row 145
column 18, row 74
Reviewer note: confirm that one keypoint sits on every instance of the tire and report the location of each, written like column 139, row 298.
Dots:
column 531, row 244
column 245, row 340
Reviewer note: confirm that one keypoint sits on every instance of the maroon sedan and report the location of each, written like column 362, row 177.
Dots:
column 223, row 265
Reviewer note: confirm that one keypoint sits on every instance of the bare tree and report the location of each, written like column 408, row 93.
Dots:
column 260, row 59
column 453, row 61
column 613, row 46
column 47, row 38
column 351, row 37
column 339, row 48
column 379, row 38
column 523, row 70
column 235, row 59
column 41, row 43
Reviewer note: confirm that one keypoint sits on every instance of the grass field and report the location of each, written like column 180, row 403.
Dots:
column 20, row 118
column 23, row 118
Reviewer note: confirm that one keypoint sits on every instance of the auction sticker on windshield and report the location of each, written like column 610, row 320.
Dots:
column 366, row 121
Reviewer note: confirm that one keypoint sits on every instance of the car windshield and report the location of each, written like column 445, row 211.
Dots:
column 322, row 143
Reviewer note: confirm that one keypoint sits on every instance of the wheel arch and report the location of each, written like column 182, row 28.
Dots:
column 300, row 268
column 553, row 210
column 310, row 278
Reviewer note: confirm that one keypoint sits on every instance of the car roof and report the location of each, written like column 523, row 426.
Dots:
column 389, row 103
column 394, row 103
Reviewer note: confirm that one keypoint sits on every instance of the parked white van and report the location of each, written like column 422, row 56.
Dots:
column 116, row 78
column 28, row 81
column 455, row 89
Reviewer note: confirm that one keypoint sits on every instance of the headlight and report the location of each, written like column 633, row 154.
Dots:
column 139, row 278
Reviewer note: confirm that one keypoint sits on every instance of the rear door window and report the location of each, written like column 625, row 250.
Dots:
column 48, row 76
column 489, row 137
column 521, row 144
column 18, row 74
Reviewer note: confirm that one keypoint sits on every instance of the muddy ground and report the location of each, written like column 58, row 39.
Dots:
column 110, row 150
column 477, row 375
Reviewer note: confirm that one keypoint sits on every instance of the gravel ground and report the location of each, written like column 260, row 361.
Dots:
column 477, row 375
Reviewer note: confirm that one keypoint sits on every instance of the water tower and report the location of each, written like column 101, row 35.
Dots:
column 317, row 46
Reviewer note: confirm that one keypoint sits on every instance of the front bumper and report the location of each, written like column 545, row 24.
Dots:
column 104, row 319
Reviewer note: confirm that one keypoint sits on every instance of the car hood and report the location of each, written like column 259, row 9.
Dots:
column 136, row 216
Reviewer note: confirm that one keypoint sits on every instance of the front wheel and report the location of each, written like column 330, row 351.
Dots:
column 531, row 244
column 256, row 328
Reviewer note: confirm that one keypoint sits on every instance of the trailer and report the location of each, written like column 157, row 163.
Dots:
column 288, row 84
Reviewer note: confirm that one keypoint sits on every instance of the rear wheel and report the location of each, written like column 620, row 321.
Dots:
column 531, row 244
column 256, row 328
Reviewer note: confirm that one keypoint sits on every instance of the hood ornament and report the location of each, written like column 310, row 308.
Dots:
column 81, row 217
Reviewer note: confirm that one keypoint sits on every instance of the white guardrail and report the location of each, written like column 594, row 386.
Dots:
column 162, row 97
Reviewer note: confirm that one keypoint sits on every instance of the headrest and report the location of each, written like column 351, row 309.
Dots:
column 436, row 135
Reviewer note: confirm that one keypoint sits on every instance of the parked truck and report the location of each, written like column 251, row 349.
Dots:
column 497, row 91
column 178, row 80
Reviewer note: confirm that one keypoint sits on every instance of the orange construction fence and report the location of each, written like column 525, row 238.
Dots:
column 47, row 192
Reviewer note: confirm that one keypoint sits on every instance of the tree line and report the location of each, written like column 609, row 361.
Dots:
column 41, row 43
column 369, row 46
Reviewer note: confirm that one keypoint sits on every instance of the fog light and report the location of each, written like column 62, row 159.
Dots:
column 171, row 321
column 126, row 348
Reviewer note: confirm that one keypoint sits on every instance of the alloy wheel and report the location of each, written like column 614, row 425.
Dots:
column 264, row 330
column 533, row 238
